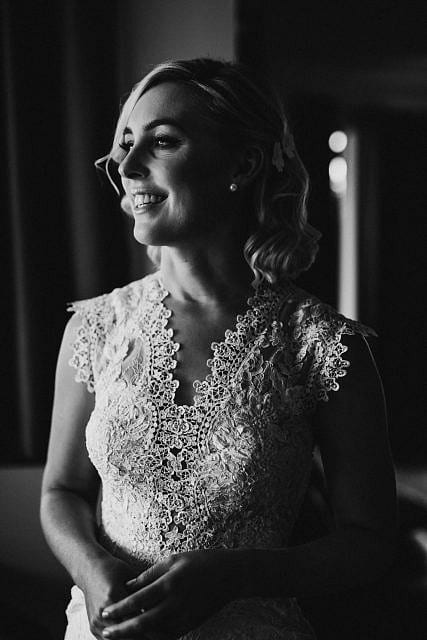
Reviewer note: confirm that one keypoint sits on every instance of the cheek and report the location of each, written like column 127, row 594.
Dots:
column 199, row 175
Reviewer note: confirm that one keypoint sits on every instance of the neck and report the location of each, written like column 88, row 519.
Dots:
column 203, row 275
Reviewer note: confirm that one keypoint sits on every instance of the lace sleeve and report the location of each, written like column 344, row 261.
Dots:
column 318, row 329
column 89, row 339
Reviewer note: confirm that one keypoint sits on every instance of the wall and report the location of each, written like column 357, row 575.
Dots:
column 155, row 30
column 33, row 585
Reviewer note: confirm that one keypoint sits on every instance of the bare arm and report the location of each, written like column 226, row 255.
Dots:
column 70, row 492
column 355, row 451
column 70, row 483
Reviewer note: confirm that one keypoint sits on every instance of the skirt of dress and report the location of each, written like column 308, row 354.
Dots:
column 249, row 619
column 78, row 622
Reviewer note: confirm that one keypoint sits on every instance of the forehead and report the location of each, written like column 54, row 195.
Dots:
column 169, row 101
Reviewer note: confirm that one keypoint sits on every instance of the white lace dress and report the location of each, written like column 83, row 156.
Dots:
column 231, row 469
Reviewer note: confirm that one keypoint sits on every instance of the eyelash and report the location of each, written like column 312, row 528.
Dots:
column 167, row 141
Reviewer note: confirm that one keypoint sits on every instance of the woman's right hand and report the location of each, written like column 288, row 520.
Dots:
column 104, row 584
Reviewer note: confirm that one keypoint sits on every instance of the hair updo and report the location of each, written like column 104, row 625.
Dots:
column 245, row 112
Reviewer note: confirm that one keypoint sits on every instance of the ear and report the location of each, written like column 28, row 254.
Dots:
column 248, row 165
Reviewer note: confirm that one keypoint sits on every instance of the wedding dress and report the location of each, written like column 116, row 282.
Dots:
column 229, row 470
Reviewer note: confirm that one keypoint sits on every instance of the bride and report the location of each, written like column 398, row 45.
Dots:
column 196, row 395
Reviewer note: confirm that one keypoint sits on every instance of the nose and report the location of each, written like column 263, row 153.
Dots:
column 132, row 166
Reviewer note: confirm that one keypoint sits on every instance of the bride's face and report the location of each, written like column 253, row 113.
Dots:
column 175, row 171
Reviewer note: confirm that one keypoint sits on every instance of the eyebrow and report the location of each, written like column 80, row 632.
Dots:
column 156, row 123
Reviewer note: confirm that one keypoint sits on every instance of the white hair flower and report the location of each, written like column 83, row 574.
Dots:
column 286, row 145
column 289, row 145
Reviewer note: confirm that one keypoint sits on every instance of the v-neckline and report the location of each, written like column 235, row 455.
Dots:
column 230, row 336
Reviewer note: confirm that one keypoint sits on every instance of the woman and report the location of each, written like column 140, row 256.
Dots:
column 202, row 482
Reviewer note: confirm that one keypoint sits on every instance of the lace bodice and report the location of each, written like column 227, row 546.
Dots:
column 231, row 469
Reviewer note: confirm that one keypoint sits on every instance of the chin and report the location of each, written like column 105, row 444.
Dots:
column 160, row 234
column 149, row 237
column 142, row 238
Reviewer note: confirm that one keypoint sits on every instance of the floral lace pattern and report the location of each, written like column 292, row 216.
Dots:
column 231, row 469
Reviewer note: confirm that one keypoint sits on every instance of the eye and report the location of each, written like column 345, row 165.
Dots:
column 165, row 142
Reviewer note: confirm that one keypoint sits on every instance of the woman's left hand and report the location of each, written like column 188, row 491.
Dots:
column 176, row 595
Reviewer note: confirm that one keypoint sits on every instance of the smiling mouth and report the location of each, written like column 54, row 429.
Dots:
column 142, row 200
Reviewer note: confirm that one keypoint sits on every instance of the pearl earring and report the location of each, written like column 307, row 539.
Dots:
column 233, row 186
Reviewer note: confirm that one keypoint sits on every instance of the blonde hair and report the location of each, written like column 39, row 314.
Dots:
column 246, row 112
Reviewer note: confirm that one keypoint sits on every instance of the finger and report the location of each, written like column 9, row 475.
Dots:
column 148, row 576
column 135, row 627
column 143, row 599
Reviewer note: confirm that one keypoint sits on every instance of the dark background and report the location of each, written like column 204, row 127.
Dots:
column 363, row 66
column 65, row 67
